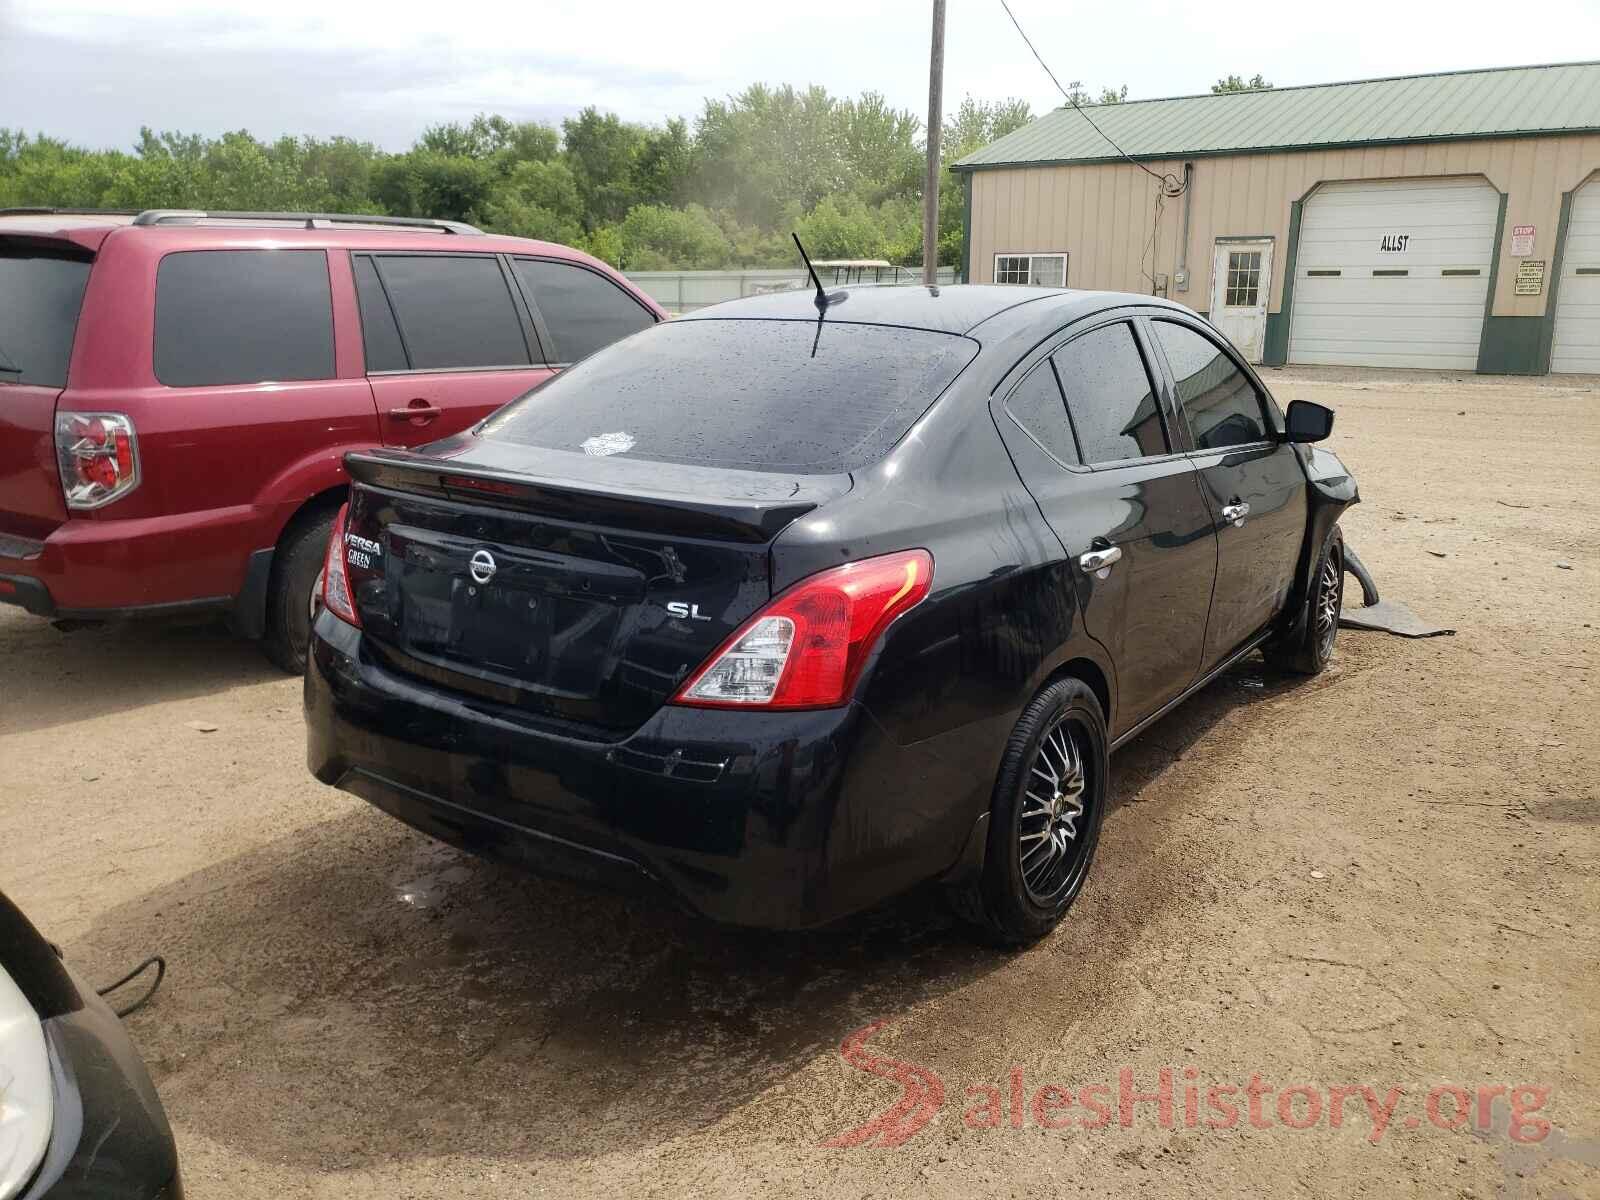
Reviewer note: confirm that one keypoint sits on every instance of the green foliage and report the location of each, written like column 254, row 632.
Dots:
column 725, row 190
column 1078, row 97
column 538, row 199
column 662, row 167
column 602, row 151
column 605, row 244
column 1234, row 84
column 657, row 238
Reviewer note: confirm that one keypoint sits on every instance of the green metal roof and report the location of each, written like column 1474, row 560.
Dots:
column 1503, row 102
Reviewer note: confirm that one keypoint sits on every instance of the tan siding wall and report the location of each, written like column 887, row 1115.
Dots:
column 1102, row 214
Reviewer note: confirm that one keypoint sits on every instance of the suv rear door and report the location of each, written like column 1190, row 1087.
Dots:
column 1254, row 483
column 41, row 291
column 448, row 340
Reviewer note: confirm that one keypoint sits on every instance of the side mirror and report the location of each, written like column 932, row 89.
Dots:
column 1307, row 422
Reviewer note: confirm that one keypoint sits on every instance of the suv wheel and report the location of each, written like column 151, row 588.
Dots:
column 1044, row 822
column 1313, row 649
column 291, row 596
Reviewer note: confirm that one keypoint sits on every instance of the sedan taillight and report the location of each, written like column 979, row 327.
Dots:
column 336, row 594
column 98, row 455
column 807, row 648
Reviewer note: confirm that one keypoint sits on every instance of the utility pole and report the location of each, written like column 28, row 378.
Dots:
column 930, row 188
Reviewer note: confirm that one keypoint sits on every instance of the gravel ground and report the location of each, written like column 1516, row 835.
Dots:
column 1383, row 877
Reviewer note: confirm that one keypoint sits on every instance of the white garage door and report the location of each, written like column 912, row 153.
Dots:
column 1393, row 274
column 1577, row 333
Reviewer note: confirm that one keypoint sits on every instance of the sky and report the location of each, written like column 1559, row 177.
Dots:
column 93, row 71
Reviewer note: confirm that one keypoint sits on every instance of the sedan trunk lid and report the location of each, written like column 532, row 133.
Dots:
column 572, row 587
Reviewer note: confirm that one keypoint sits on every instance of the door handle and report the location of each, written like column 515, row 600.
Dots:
column 1099, row 562
column 1235, row 513
column 418, row 412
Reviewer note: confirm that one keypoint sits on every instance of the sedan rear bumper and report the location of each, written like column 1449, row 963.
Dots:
column 773, row 820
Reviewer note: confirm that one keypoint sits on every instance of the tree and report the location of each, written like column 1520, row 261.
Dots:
column 600, row 150
column 657, row 238
column 877, row 148
column 489, row 136
column 976, row 123
column 1234, row 84
column 842, row 227
column 769, row 153
column 973, row 126
column 664, row 164
column 538, row 200
column 1078, row 97
column 724, row 188
column 428, row 183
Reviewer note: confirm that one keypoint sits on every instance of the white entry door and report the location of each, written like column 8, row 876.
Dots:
column 1241, row 281
column 1577, row 333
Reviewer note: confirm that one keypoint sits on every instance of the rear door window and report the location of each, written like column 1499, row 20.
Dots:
column 455, row 312
column 1110, row 396
column 1037, row 405
column 1218, row 398
column 582, row 309
column 243, row 316
column 790, row 396
column 380, row 333
column 40, row 294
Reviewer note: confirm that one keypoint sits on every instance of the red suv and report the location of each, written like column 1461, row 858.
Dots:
column 178, row 390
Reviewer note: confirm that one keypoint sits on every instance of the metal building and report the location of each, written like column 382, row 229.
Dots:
column 1448, row 221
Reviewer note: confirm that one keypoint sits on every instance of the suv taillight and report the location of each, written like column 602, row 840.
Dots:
column 807, row 648
column 98, row 454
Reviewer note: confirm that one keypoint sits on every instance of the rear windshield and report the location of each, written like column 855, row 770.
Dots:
column 787, row 396
column 40, row 294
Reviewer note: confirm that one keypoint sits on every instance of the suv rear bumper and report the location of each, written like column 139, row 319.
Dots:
column 100, row 570
column 772, row 820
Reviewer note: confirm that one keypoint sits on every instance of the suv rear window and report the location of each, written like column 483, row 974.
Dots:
column 749, row 395
column 582, row 309
column 40, row 294
column 243, row 316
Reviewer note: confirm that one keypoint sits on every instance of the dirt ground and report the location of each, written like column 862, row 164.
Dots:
column 1386, row 876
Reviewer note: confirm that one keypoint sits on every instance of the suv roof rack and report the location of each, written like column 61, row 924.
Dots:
column 38, row 210
column 189, row 216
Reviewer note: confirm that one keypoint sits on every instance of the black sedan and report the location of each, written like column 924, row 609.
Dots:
column 79, row 1116
column 792, row 604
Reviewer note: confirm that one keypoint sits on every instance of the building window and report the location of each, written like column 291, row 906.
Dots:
column 1039, row 270
column 1244, row 279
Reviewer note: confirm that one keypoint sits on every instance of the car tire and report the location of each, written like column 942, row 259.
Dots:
column 296, row 568
column 1312, row 650
column 1044, row 819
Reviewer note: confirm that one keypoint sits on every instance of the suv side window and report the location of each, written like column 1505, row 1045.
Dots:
column 582, row 309
column 452, row 311
column 1218, row 398
column 380, row 332
column 1110, row 398
column 1037, row 405
column 243, row 316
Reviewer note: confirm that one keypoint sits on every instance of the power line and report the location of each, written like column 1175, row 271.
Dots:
column 1169, row 182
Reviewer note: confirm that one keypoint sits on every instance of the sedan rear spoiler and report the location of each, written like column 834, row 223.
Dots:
column 670, row 498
